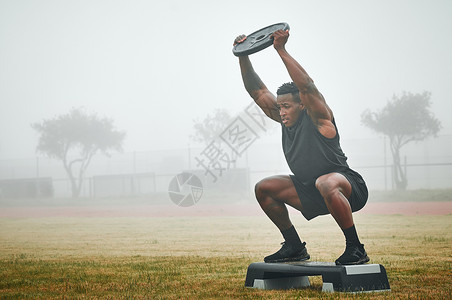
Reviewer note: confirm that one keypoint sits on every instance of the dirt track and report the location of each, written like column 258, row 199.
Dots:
column 402, row 208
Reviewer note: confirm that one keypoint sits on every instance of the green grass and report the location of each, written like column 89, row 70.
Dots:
column 207, row 258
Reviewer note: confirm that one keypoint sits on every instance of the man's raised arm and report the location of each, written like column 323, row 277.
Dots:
column 256, row 88
column 312, row 99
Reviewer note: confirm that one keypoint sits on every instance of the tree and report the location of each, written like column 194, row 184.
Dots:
column 211, row 127
column 405, row 119
column 74, row 138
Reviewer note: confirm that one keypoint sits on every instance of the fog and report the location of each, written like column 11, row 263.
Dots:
column 153, row 66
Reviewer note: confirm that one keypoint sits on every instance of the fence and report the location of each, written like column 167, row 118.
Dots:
column 428, row 165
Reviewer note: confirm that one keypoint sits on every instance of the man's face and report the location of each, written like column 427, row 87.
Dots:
column 289, row 109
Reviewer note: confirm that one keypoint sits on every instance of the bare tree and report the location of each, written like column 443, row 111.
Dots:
column 74, row 138
column 404, row 119
column 208, row 129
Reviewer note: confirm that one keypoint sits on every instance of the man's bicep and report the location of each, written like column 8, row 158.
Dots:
column 267, row 102
column 313, row 100
column 307, row 87
column 318, row 109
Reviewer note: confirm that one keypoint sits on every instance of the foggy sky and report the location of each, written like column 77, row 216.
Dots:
column 153, row 66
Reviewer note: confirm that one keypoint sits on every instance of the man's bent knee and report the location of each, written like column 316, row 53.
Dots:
column 262, row 188
column 270, row 186
column 330, row 184
column 325, row 185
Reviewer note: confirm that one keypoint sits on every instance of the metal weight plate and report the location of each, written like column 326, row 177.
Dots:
column 258, row 40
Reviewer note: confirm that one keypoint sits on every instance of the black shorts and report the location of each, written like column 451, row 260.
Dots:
column 313, row 204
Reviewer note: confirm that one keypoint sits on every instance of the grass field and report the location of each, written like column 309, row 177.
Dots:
column 207, row 257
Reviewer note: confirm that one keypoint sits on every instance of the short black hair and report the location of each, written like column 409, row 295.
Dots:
column 289, row 88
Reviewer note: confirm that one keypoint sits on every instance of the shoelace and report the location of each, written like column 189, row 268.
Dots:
column 302, row 244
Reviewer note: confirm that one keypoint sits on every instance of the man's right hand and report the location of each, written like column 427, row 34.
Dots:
column 240, row 39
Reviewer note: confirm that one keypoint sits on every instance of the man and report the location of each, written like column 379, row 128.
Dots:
column 322, row 182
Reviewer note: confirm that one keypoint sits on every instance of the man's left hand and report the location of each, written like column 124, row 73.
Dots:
column 280, row 38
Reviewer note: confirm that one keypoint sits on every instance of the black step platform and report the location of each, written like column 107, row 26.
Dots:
column 359, row 278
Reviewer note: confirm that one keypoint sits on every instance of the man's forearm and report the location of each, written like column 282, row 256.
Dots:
column 251, row 80
column 297, row 72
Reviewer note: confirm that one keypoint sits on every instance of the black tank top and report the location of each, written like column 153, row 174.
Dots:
column 308, row 153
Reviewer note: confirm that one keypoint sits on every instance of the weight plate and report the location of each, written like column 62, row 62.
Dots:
column 258, row 40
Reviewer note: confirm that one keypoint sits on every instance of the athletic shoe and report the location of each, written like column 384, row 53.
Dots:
column 287, row 253
column 353, row 255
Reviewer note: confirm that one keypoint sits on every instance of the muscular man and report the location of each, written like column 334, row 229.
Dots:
column 322, row 182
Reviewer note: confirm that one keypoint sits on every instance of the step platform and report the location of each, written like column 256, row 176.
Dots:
column 359, row 278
